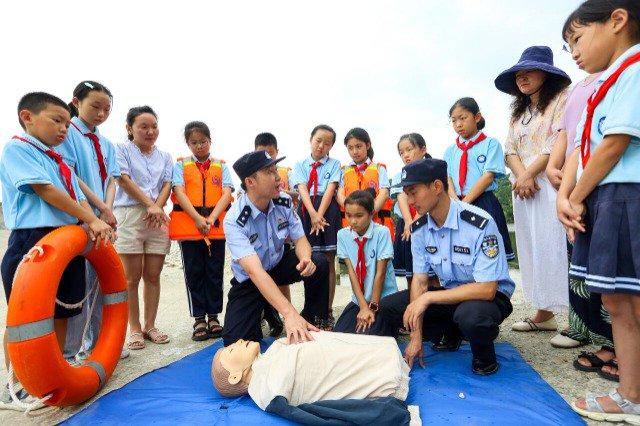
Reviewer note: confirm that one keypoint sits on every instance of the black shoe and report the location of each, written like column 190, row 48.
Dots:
column 483, row 368
column 447, row 343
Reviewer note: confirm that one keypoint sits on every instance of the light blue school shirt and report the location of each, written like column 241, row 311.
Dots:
column 178, row 173
column 328, row 172
column 23, row 165
column 78, row 152
column 250, row 231
column 148, row 171
column 377, row 247
column 393, row 193
column 618, row 114
column 467, row 248
column 487, row 156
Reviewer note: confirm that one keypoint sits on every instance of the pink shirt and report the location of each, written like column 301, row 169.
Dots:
column 576, row 103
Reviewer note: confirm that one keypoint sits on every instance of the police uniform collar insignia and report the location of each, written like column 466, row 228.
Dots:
column 432, row 249
column 474, row 219
column 490, row 246
column 282, row 201
column 418, row 223
column 244, row 216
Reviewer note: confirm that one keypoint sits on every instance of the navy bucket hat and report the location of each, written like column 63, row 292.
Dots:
column 533, row 58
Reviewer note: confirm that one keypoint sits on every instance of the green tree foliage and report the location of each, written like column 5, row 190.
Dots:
column 504, row 196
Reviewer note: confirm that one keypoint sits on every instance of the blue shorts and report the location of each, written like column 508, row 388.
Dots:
column 607, row 255
column 71, row 288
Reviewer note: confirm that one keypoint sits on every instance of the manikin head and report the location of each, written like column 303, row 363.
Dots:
column 231, row 367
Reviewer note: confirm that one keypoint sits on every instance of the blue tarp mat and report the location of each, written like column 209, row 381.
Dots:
column 182, row 393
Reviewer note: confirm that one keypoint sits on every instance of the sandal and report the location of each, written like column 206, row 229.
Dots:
column 527, row 325
column 614, row 377
column 214, row 327
column 630, row 411
column 596, row 362
column 155, row 336
column 136, row 341
column 200, row 330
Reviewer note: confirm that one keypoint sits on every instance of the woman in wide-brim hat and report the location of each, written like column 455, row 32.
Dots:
column 539, row 91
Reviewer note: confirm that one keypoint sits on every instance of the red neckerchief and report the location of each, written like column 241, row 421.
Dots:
column 65, row 171
column 592, row 103
column 465, row 147
column 203, row 166
column 96, row 145
column 361, row 265
column 313, row 181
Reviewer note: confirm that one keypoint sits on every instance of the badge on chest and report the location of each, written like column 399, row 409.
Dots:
column 282, row 223
column 432, row 249
column 461, row 250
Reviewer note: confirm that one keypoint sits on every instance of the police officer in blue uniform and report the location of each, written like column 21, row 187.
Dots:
column 463, row 246
column 256, row 228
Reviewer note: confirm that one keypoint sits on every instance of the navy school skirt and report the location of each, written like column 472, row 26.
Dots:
column 325, row 241
column 607, row 255
column 489, row 203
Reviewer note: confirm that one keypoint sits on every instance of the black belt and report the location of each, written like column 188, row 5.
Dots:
column 202, row 211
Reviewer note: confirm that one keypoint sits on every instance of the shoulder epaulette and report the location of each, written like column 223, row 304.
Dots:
column 474, row 219
column 282, row 201
column 244, row 216
column 418, row 223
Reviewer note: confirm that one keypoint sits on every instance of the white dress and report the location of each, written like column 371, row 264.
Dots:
column 540, row 237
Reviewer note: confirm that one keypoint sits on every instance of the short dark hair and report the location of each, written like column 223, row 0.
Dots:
column 361, row 135
column 266, row 139
column 83, row 89
column 363, row 198
column 196, row 126
column 470, row 105
column 599, row 11
column 36, row 102
column 137, row 111
column 325, row 128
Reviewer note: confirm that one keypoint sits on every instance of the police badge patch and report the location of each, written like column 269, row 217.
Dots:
column 482, row 158
column 432, row 249
column 490, row 246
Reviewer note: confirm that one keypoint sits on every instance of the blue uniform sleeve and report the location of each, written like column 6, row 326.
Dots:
column 385, row 246
column 168, row 168
column 452, row 169
column 418, row 252
column 393, row 192
column 622, row 117
column 123, row 160
column 490, row 261
column 495, row 159
column 237, row 240
column 383, row 177
column 226, row 177
column 342, row 250
column 178, row 174
column 336, row 172
column 110, row 160
column 22, row 168
column 297, row 175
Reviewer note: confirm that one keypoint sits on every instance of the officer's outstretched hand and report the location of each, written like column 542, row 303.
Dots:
column 306, row 267
column 413, row 351
column 298, row 328
column 412, row 318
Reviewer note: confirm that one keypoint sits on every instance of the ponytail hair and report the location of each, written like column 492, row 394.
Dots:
column 361, row 135
column 83, row 89
column 416, row 140
column 470, row 105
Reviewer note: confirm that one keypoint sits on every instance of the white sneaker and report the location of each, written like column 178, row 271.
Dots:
column 528, row 325
column 564, row 342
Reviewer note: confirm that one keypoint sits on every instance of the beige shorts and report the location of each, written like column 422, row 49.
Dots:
column 133, row 235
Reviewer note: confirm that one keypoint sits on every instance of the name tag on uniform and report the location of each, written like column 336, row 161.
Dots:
column 282, row 225
column 462, row 250
column 253, row 238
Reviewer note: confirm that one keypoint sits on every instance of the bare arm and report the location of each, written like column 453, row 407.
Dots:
column 557, row 159
column 452, row 189
column 163, row 195
column 340, row 197
column 128, row 186
column 93, row 199
column 305, row 198
column 326, row 198
column 480, row 186
column 355, row 286
column 381, row 198
column 378, row 279
column 221, row 205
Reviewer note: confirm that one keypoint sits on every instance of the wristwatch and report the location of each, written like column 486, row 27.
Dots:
column 373, row 306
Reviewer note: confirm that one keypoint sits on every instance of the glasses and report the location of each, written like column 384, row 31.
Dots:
column 200, row 143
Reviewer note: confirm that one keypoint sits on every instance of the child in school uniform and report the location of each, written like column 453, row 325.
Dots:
column 93, row 157
column 599, row 197
column 411, row 147
column 474, row 163
column 202, row 190
column 367, row 249
column 363, row 173
column 143, row 241
column 316, row 178
column 34, row 179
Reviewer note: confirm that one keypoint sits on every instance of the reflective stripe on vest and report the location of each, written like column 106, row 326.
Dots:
column 353, row 182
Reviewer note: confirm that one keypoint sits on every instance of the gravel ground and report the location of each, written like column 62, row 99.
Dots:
column 553, row 365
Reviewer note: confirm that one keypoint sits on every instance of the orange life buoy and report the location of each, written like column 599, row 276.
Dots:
column 32, row 344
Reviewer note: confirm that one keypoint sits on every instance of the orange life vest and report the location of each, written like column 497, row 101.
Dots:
column 370, row 178
column 284, row 177
column 203, row 190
